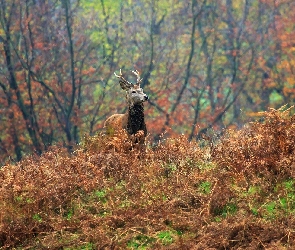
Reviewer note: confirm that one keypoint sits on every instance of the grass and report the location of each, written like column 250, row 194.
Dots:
column 174, row 195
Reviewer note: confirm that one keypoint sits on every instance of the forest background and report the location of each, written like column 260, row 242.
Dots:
column 205, row 64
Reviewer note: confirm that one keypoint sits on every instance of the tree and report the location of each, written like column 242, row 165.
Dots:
column 48, row 66
column 205, row 64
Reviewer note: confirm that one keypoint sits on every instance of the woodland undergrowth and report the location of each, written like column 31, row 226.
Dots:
column 236, row 193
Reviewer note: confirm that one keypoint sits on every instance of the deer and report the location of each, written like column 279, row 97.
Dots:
column 133, row 120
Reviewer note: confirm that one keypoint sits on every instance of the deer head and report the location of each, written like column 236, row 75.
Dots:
column 134, row 93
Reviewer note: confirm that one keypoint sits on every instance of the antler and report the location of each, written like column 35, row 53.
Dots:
column 123, row 82
column 138, row 80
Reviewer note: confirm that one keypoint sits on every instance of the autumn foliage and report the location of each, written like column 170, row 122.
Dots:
column 227, row 193
column 206, row 178
column 205, row 64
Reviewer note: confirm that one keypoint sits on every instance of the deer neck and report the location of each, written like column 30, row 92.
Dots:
column 136, row 119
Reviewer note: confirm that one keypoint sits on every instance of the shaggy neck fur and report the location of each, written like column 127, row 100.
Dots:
column 136, row 119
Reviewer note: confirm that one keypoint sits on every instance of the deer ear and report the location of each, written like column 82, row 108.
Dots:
column 125, row 84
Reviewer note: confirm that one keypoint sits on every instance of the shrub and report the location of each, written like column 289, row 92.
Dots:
column 113, row 195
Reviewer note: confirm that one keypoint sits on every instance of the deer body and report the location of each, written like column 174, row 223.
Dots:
column 133, row 120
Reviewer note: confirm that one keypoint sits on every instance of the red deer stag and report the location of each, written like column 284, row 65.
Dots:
column 133, row 120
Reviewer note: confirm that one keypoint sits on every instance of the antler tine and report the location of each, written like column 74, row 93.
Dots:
column 119, row 76
column 138, row 80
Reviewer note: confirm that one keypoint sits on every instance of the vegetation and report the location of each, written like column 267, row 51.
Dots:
column 207, row 178
column 236, row 191
column 205, row 64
